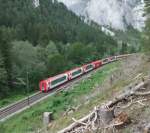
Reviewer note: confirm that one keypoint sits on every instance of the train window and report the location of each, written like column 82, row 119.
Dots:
column 89, row 67
column 58, row 80
column 112, row 58
column 76, row 72
column 105, row 60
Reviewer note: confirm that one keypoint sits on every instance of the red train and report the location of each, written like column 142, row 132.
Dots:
column 52, row 82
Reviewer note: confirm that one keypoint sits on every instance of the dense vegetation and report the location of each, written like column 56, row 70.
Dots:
column 43, row 41
column 132, row 37
column 146, row 36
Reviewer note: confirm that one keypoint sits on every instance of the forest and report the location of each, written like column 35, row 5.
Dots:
column 39, row 42
column 146, row 35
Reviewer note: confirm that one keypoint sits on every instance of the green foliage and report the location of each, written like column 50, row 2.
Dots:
column 49, row 21
column 132, row 37
column 45, row 41
column 56, row 64
column 3, row 78
column 6, row 60
column 79, row 53
column 124, row 48
column 25, row 59
column 51, row 49
column 2, row 128
column 146, row 36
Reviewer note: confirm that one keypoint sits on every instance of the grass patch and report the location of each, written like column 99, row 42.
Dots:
column 31, row 119
column 65, row 121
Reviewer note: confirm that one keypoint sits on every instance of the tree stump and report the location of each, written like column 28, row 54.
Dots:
column 47, row 118
column 147, row 128
column 106, row 115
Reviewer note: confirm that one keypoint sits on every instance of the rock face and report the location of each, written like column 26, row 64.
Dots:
column 36, row 3
column 117, row 14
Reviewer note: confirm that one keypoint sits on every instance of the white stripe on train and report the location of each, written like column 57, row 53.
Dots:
column 46, row 85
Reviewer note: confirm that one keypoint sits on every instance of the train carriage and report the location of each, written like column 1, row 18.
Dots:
column 97, row 63
column 52, row 82
column 75, row 73
column 49, row 84
column 88, row 67
column 57, row 80
column 105, row 61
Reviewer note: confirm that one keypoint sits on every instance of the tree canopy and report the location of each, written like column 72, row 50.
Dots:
column 44, row 41
column 146, row 36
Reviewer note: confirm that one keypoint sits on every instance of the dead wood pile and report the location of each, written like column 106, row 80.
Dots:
column 103, row 117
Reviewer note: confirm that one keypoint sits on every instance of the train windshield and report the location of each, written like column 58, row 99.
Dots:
column 58, row 80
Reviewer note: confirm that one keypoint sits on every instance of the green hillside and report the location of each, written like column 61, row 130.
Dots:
column 43, row 41
column 146, row 36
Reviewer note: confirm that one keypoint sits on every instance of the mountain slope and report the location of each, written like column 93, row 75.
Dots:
column 49, row 21
column 112, row 13
column 43, row 40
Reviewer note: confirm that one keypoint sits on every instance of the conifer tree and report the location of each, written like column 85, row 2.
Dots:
column 146, row 36
column 5, row 49
column 3, row 78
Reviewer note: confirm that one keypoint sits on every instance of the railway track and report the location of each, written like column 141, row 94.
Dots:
column 9, row 111
column 22, row 105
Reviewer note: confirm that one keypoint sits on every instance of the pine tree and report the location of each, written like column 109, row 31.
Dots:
column 146, row 36
column 124, row 48
column 5, row 49
column 3, row 78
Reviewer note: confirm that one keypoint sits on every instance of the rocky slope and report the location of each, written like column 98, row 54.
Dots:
column 118, row 14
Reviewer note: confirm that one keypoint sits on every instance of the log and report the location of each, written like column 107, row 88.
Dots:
column 75, row 124
column 142, row 93
column 128, row 93
column 131, row 103
column 80, row 122
column 106, row 115
column 106, row 112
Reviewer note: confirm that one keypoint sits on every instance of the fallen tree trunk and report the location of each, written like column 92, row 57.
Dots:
column 75, row 124
column 128, row 93
column 106, row 112
column 142, row 93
